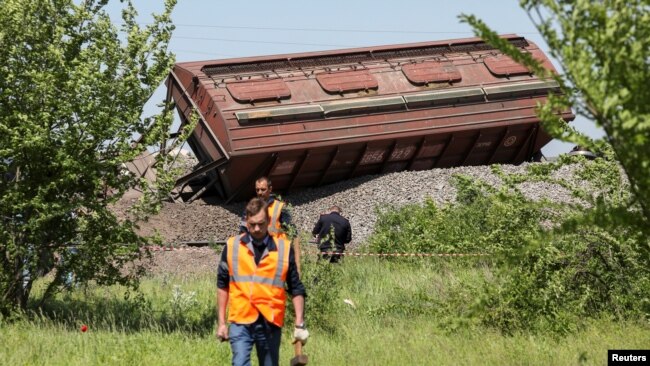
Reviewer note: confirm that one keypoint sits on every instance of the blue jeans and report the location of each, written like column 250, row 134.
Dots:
column 264, row 335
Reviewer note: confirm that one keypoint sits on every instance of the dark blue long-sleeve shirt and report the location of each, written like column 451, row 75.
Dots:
column 333, row 230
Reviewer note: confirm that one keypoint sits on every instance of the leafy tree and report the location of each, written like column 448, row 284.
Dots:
column 72, row 91
column 604, row 49
column 590, row 262
column 593, row 260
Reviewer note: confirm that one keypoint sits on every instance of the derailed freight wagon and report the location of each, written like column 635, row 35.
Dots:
column 314, row 118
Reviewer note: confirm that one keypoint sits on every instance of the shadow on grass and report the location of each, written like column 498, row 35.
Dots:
column 136, row 314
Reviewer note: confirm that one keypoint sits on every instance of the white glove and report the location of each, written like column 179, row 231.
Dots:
column 300, row 335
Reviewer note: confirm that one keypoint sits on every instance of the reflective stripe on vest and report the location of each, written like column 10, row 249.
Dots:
column 275, row 210
column 275, row 281
column 256, row 289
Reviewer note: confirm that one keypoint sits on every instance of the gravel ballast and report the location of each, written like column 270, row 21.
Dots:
column 201, row 221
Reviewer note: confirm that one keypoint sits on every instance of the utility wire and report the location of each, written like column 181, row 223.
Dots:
column 176, row 50
column 319, row 29
column 297, row 29
column 330, row 29
column 268, row 42
column 304, row 30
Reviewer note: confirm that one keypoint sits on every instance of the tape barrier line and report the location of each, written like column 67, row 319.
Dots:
column 353, row 254
column 345, row 254
column 169, row 249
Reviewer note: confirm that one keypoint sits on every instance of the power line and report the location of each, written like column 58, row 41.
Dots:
column 328, row 29
column 267, row 42
column 176, row 50
column 332, row 29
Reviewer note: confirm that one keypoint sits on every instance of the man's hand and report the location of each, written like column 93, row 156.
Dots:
column 222, row 333
column 300, row 335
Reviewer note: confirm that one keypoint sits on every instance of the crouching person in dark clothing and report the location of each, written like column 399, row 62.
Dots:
column 253, row 271
column 332, row 232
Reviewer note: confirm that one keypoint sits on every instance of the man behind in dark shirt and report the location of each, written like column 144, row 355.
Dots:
column 333, row 231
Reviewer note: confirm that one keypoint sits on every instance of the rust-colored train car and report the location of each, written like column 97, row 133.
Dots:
column 315, row 118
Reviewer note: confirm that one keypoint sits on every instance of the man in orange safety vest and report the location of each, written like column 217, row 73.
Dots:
column 253, row 271
column 278, row 212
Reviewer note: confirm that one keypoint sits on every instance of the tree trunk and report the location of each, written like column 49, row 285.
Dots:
column 16, row 293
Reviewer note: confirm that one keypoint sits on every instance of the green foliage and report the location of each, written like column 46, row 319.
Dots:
column 564, row 279
column 289, row 229
column 439, row 290
column 182, row 303
column 73, row 88
column 168, row 304
column 323, row 282
column 603, row 48
column 136, row 330
column 484, row 220
column 555, row 264
column 591, row 262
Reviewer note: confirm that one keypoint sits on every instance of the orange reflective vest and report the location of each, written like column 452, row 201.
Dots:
column 256, row 289
column 275, row 210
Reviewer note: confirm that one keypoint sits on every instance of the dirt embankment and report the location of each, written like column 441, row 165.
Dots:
column 211, row 221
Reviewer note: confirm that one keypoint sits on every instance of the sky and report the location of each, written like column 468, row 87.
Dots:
column 210, row 30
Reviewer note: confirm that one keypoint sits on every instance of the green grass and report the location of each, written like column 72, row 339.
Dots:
column 49, row 344
column 403, row 316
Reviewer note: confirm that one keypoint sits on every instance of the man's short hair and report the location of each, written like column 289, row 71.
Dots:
column 254, row 206
column 335, row 209
column 264, row 179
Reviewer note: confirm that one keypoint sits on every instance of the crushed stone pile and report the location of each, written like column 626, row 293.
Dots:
column 358, row 198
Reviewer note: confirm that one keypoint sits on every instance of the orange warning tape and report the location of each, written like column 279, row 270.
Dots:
column 354, row 254
column 345, row 254
column 169, row 249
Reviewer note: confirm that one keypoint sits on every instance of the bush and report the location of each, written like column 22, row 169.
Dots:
column 323, row 283
column 557, row 264
column 569, row 275
column 483, row 220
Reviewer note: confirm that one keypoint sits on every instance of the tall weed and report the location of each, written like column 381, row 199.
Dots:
column 556, row 264
column 323, row 282
column 483, row 220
